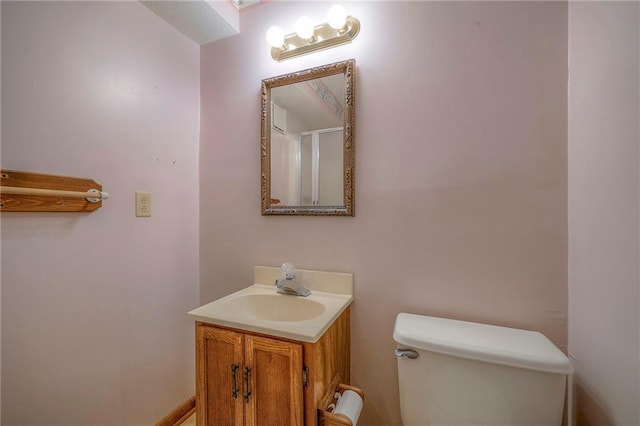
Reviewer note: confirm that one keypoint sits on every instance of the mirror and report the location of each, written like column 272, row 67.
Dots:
column 307, row 150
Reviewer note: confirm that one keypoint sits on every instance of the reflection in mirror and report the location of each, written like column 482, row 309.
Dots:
column 307, row 142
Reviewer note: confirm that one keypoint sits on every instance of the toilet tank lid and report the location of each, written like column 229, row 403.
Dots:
column 481, row 342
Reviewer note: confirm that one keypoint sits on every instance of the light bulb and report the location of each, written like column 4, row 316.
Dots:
column 275, row 36
column 304, row 27
column 337, row 16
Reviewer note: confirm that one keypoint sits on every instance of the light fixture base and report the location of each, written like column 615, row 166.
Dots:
column 326, row 37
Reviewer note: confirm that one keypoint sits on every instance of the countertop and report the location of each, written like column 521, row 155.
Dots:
column 219, row 312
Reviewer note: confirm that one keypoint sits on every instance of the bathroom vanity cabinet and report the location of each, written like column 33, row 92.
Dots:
column 245, row 378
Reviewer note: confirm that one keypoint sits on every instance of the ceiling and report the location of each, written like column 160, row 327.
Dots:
column 244, row 3
column 309, row 103
column 203, row 21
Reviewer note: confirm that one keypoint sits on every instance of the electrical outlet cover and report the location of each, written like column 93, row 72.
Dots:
column 143, row 204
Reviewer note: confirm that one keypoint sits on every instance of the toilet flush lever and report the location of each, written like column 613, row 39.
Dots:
column 406, row 353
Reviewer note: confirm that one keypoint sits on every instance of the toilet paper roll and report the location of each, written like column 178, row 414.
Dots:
column 349, row 406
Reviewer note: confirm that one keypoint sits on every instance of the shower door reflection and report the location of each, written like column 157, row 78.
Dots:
column 321, row 168
column 308, row 168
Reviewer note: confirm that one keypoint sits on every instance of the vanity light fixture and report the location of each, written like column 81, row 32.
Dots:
column 340, row 28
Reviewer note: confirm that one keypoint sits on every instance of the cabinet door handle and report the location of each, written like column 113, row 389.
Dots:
column 234, row 375
column 247, row 391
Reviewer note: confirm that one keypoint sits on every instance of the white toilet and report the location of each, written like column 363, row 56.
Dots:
column 461, row 373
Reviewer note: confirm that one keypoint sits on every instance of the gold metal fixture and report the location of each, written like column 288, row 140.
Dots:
column 324, row 36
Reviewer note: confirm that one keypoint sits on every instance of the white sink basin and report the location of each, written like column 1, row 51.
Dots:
column 275, row 307
column 260, row 309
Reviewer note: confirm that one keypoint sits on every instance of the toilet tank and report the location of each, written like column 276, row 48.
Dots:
column 475, row 374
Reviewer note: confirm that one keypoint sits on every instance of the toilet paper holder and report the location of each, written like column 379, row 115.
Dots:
column 326, row 416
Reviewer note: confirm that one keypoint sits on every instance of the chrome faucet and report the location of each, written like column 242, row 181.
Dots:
column 288, row 284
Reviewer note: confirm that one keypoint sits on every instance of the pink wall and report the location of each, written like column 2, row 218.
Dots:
column 94, row 329
column 604, row 296
column 461, row 171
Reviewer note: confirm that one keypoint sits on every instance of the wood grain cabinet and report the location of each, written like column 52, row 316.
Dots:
column 251, row 379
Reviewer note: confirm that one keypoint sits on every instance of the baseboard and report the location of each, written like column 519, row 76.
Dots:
column 180, row 414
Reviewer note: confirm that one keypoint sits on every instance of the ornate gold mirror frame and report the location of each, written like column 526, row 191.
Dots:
column 313, row 76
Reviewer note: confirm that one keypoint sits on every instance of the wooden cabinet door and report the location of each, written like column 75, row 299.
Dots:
column 275, row 382
column 219, row 356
